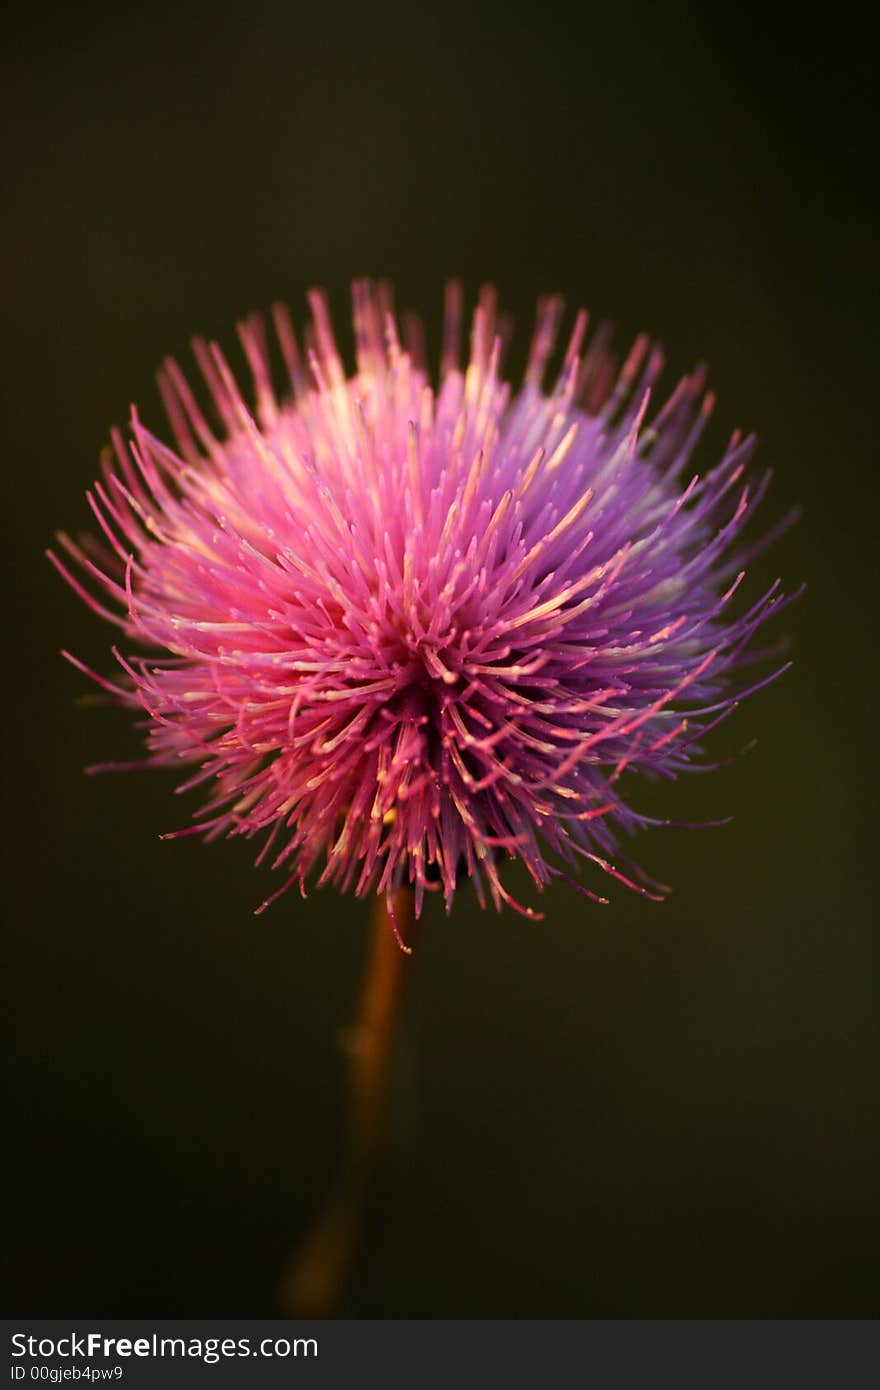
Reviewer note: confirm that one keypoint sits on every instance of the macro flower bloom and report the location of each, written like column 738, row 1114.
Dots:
column 411, row 632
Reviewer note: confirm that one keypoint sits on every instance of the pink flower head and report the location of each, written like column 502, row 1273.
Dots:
column 410, row 632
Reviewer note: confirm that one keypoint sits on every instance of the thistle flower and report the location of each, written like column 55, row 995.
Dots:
column 411, row 633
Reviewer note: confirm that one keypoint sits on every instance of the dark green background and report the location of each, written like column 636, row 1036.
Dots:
column 637, row 1111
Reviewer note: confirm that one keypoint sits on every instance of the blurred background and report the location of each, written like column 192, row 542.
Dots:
column 641, row 1111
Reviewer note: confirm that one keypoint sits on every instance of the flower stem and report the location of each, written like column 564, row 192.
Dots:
column 317, row 1280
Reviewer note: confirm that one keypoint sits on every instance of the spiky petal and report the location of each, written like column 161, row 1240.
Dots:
column 410, row 633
